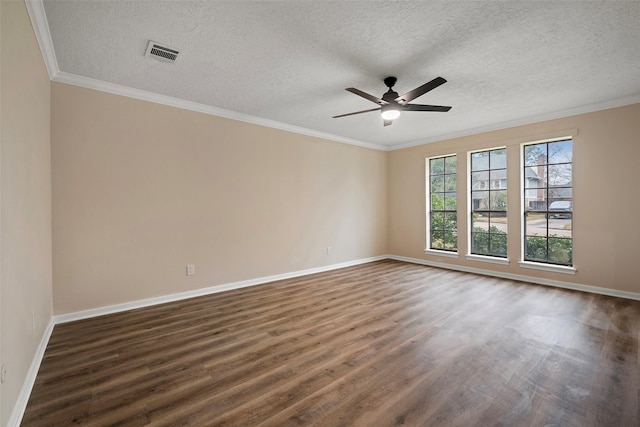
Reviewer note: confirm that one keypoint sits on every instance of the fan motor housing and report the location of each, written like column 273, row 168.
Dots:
column 390, row 96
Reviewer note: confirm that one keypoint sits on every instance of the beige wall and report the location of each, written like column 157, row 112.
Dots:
column 141, row 190
column 25, row 200
column 606, row 196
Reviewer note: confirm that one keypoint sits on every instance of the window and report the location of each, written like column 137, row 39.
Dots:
column 443, row 222
column 548, row 202
column 489, row 203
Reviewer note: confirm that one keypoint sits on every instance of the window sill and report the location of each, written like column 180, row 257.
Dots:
column 436, row 252
column 489, row 259
column 548, row 267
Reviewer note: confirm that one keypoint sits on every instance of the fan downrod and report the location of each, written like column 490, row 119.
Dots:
column 390, row 81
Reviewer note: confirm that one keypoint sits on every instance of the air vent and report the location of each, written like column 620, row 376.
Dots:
column 161, row 53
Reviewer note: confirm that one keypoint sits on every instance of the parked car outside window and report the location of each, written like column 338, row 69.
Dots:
column 560, row 209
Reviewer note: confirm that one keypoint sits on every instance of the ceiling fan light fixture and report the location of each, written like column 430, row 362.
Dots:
column 390, row 113
column 391, row 104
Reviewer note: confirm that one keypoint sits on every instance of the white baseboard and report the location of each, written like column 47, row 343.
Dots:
column 85, row 314
column 23, row 398
column 523, row 278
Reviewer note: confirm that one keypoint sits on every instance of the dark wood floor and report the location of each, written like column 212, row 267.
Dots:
column 381, row 344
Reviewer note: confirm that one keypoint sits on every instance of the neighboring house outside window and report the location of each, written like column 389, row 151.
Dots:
column 548, row 202
column 442, row 205
column 488, row 195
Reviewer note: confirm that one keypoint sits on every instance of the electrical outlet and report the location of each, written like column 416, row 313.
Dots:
column 191, row 269
column 329, row 250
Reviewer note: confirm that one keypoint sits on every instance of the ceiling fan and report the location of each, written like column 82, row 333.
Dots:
column 391, row 104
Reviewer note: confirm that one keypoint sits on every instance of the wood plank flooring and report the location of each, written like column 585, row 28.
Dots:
column 381, row 344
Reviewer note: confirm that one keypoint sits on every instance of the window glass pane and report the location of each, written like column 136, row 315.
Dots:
column 535, row 249
column 480, row 200
column 498, row 159
column 560, row 251
column 535, row 154
column 561, row 152
column 560, row 175
column 450, row 221
column 480, row 223
column 437, row 239
column 479, row 180
column 560, row 194
column 437, row 202
column 498, row 221
column 559, row 225
column 437, row 183
column 498, row 244
column 536, row 224
column 479, row 243
column 535, row 177
column 450, row 202
column 440, row 202
column 535, row 200
column 450, row 164
column 437, row 220
column 480, row 161
column 450, row 182
column 451, row 241
column 498, row 200
column 436, row 166
column 497, row 178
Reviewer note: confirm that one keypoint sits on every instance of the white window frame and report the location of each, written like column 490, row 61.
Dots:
column 476, row 257
column 541, row 265
column 427, row 180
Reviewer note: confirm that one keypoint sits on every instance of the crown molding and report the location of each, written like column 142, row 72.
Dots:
column 614, row 103
column 38, row 17
column 40, row 25
column 116, row 89
column 113, row 88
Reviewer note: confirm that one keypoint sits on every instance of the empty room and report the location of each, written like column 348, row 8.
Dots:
column 319, row 213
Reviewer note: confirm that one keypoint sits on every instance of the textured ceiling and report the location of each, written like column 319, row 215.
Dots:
column 287, row 63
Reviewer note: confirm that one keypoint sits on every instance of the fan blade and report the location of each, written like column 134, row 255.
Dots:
column 421, row 107
column 357, row 112
column 387, row 122
column 366, row 96
column 419, row 91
